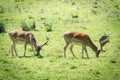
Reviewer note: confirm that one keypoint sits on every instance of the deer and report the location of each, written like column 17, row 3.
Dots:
column 26, row 38
column 79, row 38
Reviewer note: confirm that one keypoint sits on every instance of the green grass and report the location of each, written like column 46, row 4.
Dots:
column 53, row 66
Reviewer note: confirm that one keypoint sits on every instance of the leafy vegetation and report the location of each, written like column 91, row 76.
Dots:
column 24, row 26
column 33, row 25
column 48, row 26
column 2, row 27
column 1, row 9
column 27, row 26
column 93, row 17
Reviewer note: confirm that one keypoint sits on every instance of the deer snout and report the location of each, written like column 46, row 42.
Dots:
column 98, row 52
column 38, row 50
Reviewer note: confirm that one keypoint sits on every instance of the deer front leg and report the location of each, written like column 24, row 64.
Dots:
column 86, row 52
column 25, row 46
column 84, row 48
column 33, row 49
column 12, row 49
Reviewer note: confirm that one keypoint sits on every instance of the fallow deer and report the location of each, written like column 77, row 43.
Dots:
column 27, row 38
column 73, row 38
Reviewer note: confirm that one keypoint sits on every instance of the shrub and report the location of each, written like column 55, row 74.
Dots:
column 19, row 0
column 24, row 26
column 73, row 67
column 2, row 27
column 29, row 25
column 48, row 26
column 73, row 3
column 33, row 25
column 1, row 9
column 94, row 11
column 30, row 17
column 112, row 61
column 75, row 16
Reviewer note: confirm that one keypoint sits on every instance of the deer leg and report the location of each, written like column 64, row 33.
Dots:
column 83, row 48
column 14, row 46
column 71, row 49
column 65, row 47
column 25, row 49
column 86, row 52
column 12, row 49
column 33, row 49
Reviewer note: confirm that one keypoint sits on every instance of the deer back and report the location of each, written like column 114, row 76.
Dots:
column 21, row 36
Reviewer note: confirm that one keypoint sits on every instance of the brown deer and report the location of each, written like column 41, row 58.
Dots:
column 27, row 38
column 73, row 38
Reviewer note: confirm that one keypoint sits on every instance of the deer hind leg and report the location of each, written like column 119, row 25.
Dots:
column 25, row 46
column 83, row 48
column 71, row 49
column 65, row 47
column 14, row 47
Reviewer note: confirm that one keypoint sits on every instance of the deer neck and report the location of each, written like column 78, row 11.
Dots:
column 36, row 44
column 93, row 46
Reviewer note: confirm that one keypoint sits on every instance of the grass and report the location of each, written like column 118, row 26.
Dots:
column 53, row 66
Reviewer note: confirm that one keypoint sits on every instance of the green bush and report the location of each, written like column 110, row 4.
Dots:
column 29, row 25
column 24, row 26
column 2, row 27
column 19, row 0
column 75, row 16
column 33, row 25
column 48, row 26
column 1, row 9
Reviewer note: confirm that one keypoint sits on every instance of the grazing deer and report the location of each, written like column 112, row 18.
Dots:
column 73, row 38
column 26, row 38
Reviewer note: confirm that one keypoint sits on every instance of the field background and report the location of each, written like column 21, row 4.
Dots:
column 93, row 17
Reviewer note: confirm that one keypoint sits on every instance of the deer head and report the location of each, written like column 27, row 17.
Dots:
column 39, row 47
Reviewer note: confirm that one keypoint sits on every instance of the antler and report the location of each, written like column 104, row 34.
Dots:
column 103, row 40
column 47, row 38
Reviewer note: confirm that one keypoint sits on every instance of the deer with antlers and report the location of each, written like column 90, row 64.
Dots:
column 27, row 38
column 73, row 38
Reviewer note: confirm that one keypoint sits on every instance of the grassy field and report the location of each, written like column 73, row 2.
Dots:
column 93, row 17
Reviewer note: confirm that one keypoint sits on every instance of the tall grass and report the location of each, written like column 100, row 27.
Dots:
column 33, row 25
column 48, row 26
column 24, row 26
column 27, row 26
column 2, row 27
column 1, row 9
